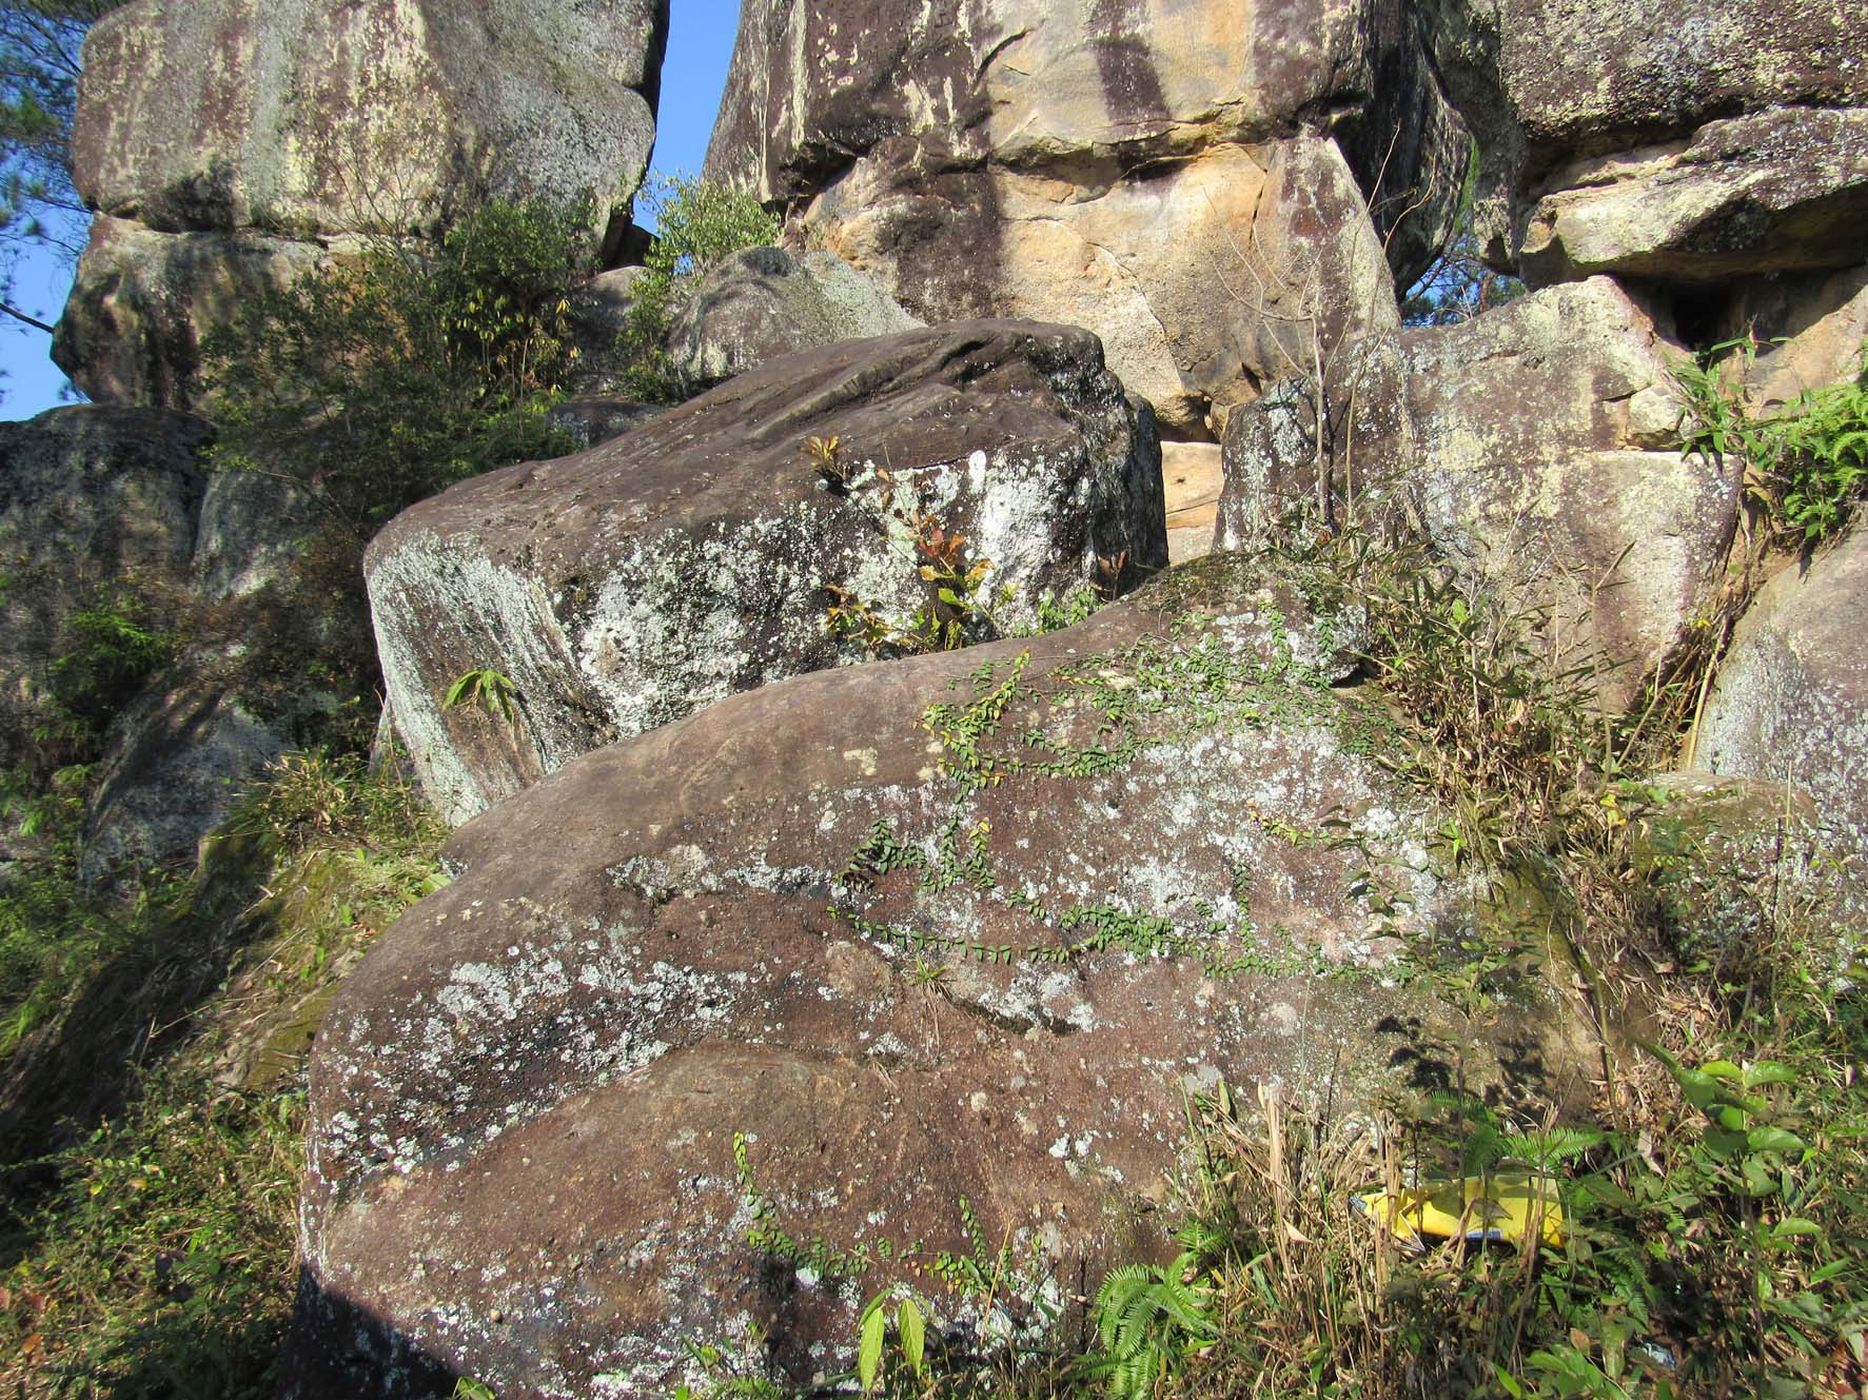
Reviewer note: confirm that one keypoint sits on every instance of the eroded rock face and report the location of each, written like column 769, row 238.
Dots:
column 93, row 501
column 1136, row 174
column 965, row 927
column 1663, row 138
column 624, row 587
column 1790, row 705
column 1549, row 473
column 227, row 142
column 764, row 302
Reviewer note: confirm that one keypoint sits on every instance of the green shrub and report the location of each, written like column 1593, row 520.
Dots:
column 697, row 223
column 383, row 377
column 1807, row 463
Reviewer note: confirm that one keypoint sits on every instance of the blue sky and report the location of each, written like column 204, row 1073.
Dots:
column 700, row 43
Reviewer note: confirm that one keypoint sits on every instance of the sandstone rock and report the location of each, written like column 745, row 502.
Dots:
column 1191, row 475
column 1811, row 331
column 313, row 117
column 590, row 422
column 624, row 587
column 142, row 300
column 93, row 501
column 964, row 928
column 1580, row 508
column 1774, row 190
column 1136, row 175
column 1790, row 704
column 764, row 302
column 1357, row 434
column 228, row 145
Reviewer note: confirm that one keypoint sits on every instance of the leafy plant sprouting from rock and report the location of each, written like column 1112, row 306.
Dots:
column 697, row 224
column 385, row 376
column 1806, row 464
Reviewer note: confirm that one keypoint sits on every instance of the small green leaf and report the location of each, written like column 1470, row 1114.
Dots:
column 869, row 1354
column 1769, row 1139
column 913, row 1327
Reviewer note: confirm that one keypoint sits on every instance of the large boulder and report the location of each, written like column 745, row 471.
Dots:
column 1177, row 182
column 937, row 949
column 273, row 129
column 1790, row 704
column 1663, row 138
column 626, row 586
column 763, row 302
column 1548, row 471
column 132, row 326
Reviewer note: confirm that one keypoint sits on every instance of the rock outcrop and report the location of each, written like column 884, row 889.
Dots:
column 1665, row 139
column 1208, row 190
column 763, row 302
column 227, row 143
column 947, row 941
column 1790, row 706
column 624, row 587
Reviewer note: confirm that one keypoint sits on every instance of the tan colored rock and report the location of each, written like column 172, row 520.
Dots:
column 1136, row 174
column 1811, row 331
column 1192, row 475
column 1547, row 472
column 1780, row 189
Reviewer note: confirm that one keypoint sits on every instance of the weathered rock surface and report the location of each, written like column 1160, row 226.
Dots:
column 1811, row 331
column 1661, row 138
column 624, row 587
column 1781, row 189
column 92, row 501
column 1549, row 473
column 763, row 302
column 110, row 520
column 1151, row 174
column 228, row 142
column 1790, row 705
column 1192, row 476
column 959, row 929
column 132, row 326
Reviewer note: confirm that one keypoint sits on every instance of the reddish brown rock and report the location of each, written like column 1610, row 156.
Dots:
column 941, row 938
column 626, row 586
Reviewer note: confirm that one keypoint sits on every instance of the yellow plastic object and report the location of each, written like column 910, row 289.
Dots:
column 1500, row 1208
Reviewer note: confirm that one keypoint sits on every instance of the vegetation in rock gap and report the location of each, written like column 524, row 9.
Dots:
column 697, row 224
column 389, row 374
column 155, row 1254
column 1805, row 464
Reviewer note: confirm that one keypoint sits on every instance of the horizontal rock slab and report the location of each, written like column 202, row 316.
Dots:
column 626, row 586
column 936, row 947
column 1772, row 191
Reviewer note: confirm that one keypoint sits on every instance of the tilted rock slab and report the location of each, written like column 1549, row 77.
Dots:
column 1790, row 705
column 309, row 119
column 626, row 586
column 947, row 940
column 1177, row 178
